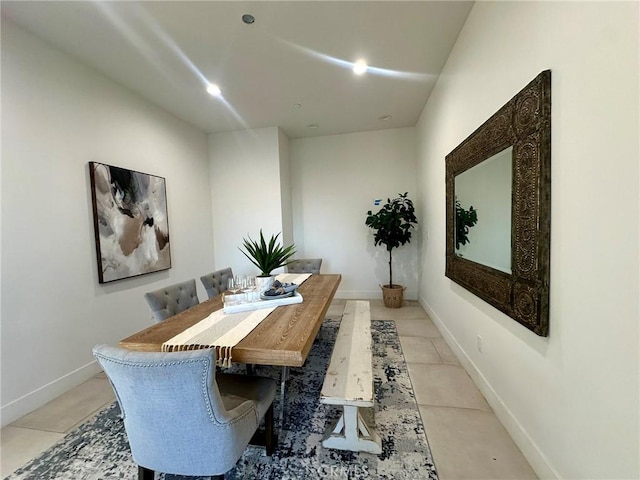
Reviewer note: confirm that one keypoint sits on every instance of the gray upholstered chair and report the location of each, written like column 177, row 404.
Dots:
column 173, row 299
column 305, row 265
column 182, row 418
column 216, row 282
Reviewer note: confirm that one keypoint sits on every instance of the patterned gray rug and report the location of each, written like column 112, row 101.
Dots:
column 98, row 449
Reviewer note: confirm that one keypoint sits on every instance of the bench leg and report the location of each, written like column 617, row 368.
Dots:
column 352, row 433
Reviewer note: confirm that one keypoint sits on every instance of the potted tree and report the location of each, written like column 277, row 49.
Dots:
column 392, row 226
column 267, row 256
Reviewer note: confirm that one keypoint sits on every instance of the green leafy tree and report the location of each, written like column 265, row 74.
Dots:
column 392, row 225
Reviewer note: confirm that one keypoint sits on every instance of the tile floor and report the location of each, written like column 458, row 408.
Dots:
column 466, row 438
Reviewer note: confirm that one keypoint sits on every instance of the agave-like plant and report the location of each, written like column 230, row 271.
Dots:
column 267, row 256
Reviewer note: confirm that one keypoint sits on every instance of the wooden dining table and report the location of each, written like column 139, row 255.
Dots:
column 283, row 338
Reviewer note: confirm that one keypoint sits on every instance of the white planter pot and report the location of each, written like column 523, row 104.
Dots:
column 264, row 283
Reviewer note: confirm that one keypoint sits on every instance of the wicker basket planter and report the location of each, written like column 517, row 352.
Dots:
column 392, row 296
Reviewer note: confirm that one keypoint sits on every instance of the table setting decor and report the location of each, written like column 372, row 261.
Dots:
column 242, row 312
column 279, row 290
column 283, row 291
column 239, row 303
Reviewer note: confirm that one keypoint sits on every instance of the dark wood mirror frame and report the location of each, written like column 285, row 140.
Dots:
column 524, row 123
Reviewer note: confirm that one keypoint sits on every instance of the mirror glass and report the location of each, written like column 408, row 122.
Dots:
column 483, row 212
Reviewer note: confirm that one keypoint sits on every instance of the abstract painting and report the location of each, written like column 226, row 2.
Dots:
column 130, row 222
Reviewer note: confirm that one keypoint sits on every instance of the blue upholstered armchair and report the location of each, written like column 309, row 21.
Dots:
column 182, row 418
column 173, row 299
column 216, row 282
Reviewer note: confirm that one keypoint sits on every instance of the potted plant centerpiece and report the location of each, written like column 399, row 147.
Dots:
column 392, row 226
column 267, row 256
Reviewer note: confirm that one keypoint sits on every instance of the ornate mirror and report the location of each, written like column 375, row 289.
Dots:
column 498, row 187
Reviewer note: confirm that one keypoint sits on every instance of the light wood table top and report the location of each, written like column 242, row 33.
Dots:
column 284, row 338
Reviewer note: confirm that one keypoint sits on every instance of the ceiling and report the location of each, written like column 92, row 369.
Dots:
column 291, row 68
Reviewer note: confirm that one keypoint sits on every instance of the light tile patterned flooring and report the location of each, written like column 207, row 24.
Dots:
column 466, row 438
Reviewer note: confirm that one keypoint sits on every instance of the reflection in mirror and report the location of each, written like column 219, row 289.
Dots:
column 486, row 189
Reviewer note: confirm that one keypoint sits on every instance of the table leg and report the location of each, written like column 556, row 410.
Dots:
column 283, row 391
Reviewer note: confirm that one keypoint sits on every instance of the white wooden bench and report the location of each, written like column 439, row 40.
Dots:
column 349, row 382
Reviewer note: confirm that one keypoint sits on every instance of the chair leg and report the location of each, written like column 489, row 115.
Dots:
column 268, row 431
column 145, row 473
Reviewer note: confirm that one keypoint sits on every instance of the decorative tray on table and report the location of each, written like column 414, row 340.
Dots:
column 279, row 290
column 270, row 298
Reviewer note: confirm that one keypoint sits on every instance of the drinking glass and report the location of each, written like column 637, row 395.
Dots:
column 249, row 287
column 232, row 285
column 240, row 282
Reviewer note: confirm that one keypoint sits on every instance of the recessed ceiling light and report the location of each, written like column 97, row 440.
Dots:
column 213, row 89
column 359, row 67
column 312, row 125
column 297, row 105
column 248, row 18
column 384, row 118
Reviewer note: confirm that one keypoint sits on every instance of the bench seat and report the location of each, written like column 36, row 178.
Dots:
column 349, row 382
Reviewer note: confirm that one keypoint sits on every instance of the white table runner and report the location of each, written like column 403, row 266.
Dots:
column 223, row 331
column 297, row 278
column 220, row 331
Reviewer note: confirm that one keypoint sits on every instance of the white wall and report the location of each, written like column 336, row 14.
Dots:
column 58, row 115
column 569, row 400
column 285, row 189
column 335, row 180
column 245, row 192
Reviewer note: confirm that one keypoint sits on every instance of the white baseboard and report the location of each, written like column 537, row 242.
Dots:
column 525, row 443
column 28, row 403
column 358, row 294
column 366, row 295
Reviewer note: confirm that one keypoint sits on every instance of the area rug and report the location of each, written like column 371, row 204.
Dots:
column 98, row 449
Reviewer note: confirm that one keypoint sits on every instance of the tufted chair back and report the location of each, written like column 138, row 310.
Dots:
column 216, row 282
column 182, row 418
column 305, row 265
column 173, row 299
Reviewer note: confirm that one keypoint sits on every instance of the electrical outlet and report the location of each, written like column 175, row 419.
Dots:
column 479, row 343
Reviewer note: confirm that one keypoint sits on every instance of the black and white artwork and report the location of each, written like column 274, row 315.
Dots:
column 130, row 222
